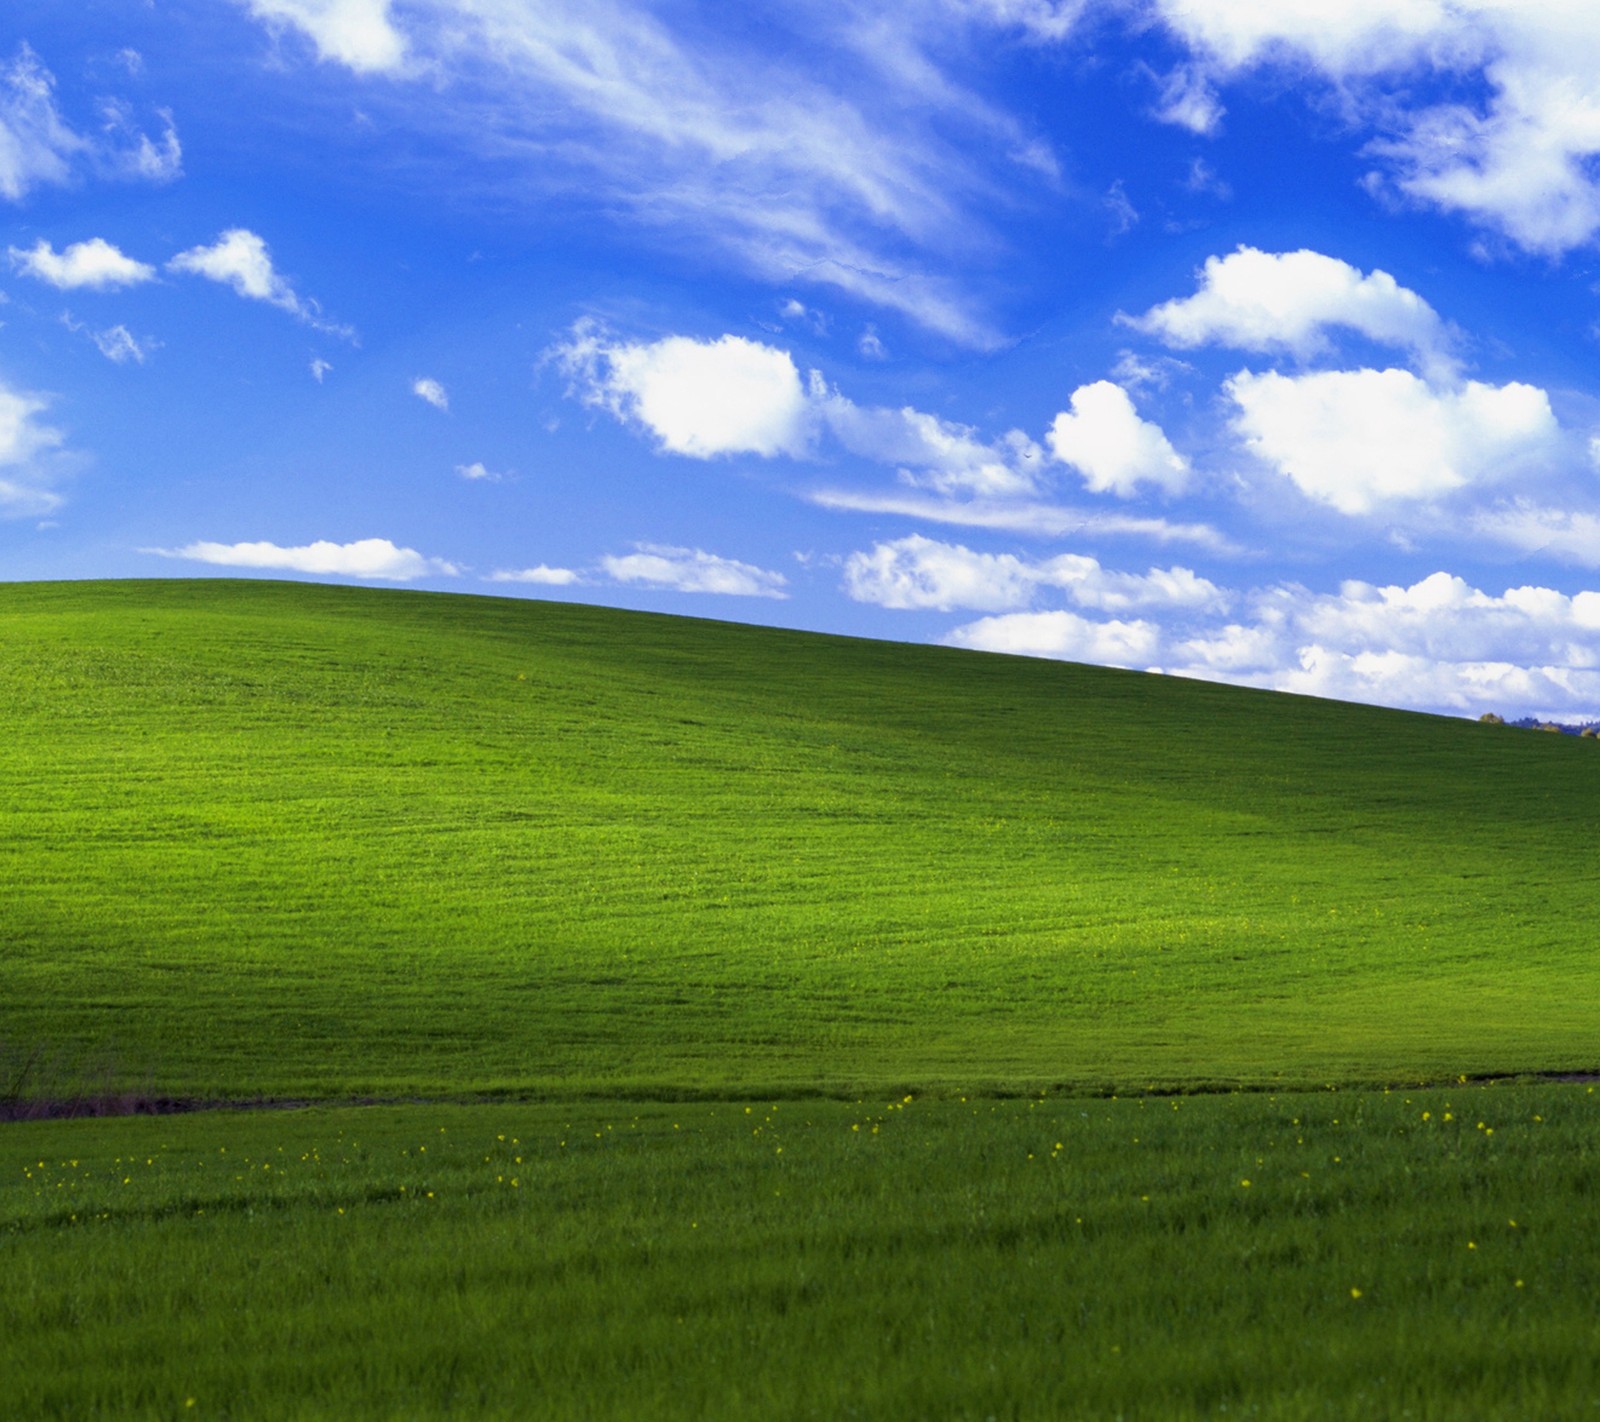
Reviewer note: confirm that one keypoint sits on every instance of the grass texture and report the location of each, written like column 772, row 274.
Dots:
column 1416, row 1254
column 293, row 841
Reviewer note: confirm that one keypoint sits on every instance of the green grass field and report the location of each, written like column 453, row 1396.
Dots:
column 689, row 910
column 298, row 841
column 1416, row 1254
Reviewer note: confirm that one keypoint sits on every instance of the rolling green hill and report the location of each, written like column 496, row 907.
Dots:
column 301, row 841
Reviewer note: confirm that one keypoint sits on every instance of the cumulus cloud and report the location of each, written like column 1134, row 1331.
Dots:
column 543, row 575
column 360, row 34
column 426, row 388
column 94, row 264
column 1510, row 132
column 1103, row 438
column 479, row 471
column 239, row 259
column 1064, row 636
column 919, row 572
column 376, row 559
column 1360, row 439
column 696, row 398
column 1289, row 301
column 1438, row 645
column 693, row 570
column 731, row 395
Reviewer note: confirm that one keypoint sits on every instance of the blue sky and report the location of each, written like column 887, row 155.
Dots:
column 1258, row 342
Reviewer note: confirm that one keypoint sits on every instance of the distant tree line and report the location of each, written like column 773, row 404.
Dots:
column 1589, row 730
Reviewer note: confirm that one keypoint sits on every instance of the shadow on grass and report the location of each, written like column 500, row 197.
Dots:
column 42, row 1083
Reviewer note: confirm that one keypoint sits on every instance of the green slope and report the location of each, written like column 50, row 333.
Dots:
column 284, row 839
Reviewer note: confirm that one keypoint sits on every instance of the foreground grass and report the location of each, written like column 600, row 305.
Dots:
column 1342, row 1254
column 288, row 840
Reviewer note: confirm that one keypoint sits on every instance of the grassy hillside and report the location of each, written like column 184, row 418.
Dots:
column 298, row 840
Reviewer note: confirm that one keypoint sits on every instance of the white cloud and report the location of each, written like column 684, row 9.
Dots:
column 156, row 162
column 797, row 312
column 1288, row 301
column 239, row 259
column 24, row 442
column 1511, row 140
column 425, row 387
column 1188, row 100
column 1119, row 207
column 1343, row 37
column 1042, row 19
column 119, row 345
column 320, row 368
column 95, row 264
column 931, row 452
column 358, row 33
column 1016, row 516
column 919, row 572
column 1571, row 537
column 854, row 158
column 478, row 470
column 543, row 575
column 870, row 345
column 727, row 396
column 36, row 145
column 1104, row 439
column 1437, row 645
column 693, row 570
column 1062, row 635
column 697, row 398
column 371, row 558
column 1360, row 439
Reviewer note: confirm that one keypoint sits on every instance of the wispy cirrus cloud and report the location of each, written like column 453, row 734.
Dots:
column 37, row 145
column 40, row 147
column 26, row 443
column 873, row 173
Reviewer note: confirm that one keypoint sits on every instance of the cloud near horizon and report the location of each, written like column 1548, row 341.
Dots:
column 692, row 570
column 1439, row 644
column 369, row 558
